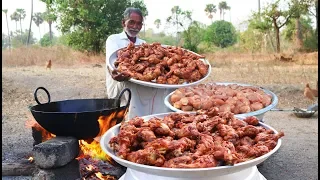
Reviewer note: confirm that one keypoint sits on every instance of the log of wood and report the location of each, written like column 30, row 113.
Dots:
column 18, row 169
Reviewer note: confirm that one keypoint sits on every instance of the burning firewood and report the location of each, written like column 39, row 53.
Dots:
column 97, row 169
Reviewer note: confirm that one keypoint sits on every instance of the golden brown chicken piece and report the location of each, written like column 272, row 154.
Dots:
column 227, row 132
column 188, row 130
column 205, row 145
column 146, row 134
column 188, row 162
column 178, row 147
column 192, row 140
column 252, row 120
column 147, row 156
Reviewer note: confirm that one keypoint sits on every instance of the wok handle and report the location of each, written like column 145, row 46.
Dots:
column 120, row 95
column 36, row 96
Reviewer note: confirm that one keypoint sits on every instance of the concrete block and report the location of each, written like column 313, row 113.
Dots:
column 55, row 152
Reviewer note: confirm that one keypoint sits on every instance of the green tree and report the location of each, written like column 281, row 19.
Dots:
column 309, row 40
column 6, row 12
column 49, row 17
column 193, row 36
column 297, row 9
column 48, row 40
column 179, row 18
column 290, row 28
column 272, row 14
column 89, row 23
column 22, row 15
column 15, row 17
column 257, row 25
column 18, row 39
column 157, row 22
column 210, row 8
column 4, row 41
column 222, row 7
column 37, row 19
column 221, row 33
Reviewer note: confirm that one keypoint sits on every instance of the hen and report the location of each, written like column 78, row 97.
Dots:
column 49, row 64
column 310, row 93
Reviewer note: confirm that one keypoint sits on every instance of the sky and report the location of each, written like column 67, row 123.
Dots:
column 157, row 9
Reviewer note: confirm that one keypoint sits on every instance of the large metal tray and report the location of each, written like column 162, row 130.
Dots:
column 259, row 114
column 195, row 173
column 113, row 58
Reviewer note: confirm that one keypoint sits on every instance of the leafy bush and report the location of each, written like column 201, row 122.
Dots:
column 193, row 36
column 18, row 40
column 221, row 33
column 45, row 40
column 311, row 43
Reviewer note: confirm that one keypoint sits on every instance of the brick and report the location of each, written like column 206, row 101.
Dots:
column 55, row 152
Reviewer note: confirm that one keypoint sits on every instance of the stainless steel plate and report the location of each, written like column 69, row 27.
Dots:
column 182, row 172
column 274, row 101
column 113, row 58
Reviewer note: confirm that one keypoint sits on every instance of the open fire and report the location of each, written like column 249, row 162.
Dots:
column 93, row 162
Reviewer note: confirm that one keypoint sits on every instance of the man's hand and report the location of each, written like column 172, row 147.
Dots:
column 118, row 76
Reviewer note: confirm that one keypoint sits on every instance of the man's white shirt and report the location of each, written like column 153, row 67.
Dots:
column 144, row 100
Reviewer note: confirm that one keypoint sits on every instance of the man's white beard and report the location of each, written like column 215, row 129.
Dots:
column 128, row 32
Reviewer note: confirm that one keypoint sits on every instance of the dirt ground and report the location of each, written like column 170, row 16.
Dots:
column 295, row 160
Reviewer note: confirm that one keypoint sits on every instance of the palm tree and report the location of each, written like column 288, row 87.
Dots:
column 210, row 8
column 49, row 18
column 175, row 19
column 6, row 12
column 37, row 19
column 22, row 15
column 15, row 17
column 223, row 6
column 157, row 22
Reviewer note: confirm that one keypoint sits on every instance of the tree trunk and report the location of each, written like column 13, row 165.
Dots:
column 50, row 33
column 259, row 11
column 277, row 30
column 298, row 34
column 316, row 4
column 222, row 14
column 18, row 169
column 8, row 31
column 39, row 33
column 30, row 23
column 21, row 31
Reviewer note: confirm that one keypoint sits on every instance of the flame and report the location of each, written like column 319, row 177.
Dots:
column 89, row 148
column 30, row 159
column 89, row 167
column 93, row 149
column 104, row 177
column 32, row 123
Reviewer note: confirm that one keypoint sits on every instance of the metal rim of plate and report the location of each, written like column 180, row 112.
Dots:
column 274, row 101
column 113, row 58
column 182, row 172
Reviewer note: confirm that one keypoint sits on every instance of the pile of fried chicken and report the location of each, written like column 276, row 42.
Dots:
column 204, row 139
column 234, row 98
column 159, row 64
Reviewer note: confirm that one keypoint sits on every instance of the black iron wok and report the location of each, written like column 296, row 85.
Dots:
column 77, row 117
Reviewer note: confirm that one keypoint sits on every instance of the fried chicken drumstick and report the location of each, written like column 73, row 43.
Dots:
column 163, row 65
column 193, row 140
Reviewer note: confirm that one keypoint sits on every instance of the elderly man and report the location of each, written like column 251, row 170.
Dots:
column 145, row 100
